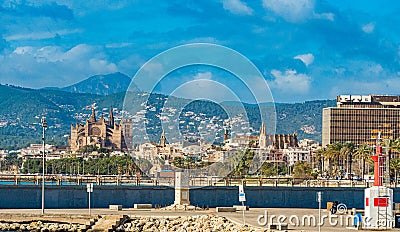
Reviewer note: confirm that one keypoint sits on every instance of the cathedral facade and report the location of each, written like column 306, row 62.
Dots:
column 277, row 141
column 101, row 133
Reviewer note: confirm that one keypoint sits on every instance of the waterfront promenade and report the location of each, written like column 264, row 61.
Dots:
column 252, row 216
column 58, row 179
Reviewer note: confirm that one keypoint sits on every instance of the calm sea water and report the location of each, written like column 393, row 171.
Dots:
column 55, row 183
column 33, row 183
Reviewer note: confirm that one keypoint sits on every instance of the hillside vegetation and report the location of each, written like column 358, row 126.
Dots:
column 21, row 110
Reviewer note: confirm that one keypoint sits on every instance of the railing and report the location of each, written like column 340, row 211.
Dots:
column 32, row 179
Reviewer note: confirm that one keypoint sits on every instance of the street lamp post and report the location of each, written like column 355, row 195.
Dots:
column 44, row 125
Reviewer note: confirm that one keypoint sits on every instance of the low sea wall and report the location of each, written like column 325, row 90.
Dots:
column 26, row 196
column 70, row 196
column 276, row 197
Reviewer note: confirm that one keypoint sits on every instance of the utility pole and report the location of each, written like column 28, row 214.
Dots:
column 89, row 188
column 44, row 125
column 319, row 199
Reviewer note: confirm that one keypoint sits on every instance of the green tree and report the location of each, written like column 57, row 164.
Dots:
column 301, row 170
column 394, row 168
column 178, row 162
column 242, row 162
column 395, row 146
column 103, row 166
column 332, row 154
column 346, row 153
column 252, row 143
column 12, row 163
column 363, row 152
column 319, row 158
column 267, row 169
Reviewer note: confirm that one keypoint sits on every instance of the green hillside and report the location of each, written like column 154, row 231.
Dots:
column 21, row 110
column 304, row 118
column 102, row 84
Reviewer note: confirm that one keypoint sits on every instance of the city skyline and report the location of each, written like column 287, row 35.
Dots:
column 305, row 49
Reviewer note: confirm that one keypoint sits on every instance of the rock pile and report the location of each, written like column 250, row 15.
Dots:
column 40, row 226
column 181, row 207
column 206, row 223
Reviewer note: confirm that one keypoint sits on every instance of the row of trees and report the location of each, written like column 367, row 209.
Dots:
column 243, row 164
column 189, row 162
column 112, row 165
column 341, row 157
column 10, row 163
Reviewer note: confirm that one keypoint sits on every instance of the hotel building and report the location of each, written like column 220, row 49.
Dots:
column 359, row 119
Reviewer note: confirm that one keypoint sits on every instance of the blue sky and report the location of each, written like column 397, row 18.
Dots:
column 305, row 49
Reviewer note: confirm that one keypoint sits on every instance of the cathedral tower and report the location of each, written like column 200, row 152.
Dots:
column 162, row 139
column 262, row 139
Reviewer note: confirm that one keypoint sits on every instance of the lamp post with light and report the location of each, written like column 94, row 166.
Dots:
column 44, row 125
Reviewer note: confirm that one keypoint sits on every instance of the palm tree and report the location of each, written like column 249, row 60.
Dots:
column 346, row 153
column 395, row 166
column 395, row 163
column 332, row 154
column 395, row 145
column 319, row 157
column 363, row 152
column 391, row 145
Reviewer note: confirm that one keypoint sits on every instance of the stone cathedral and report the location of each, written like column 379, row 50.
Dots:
column 276, row 141
column 101, row 133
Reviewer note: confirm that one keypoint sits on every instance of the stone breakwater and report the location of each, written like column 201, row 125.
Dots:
column 41, row 226
column 205, row 223
column 48, row 222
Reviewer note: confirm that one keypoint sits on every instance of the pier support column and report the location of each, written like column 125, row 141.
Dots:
column 138, row 179
column 182, row 188
column 16, row 179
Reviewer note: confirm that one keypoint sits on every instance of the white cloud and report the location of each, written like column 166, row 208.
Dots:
column 292, row 11
column 23, row 50
column 203, row 76
column 102, row 66
column 118, row 45
column 85, row 7
column 153, row 68
column 290, row 81
column 131, row 64
column 40, row 35
column 296, row 10
column 258, row 30
column 205, row 89
column 53, row 65
column 367, row 69
column 237, row 7
column 201, row 40
column 388, row 86
column 375, row 69
column 368, row 28
column 307, row 59
column 327, row 16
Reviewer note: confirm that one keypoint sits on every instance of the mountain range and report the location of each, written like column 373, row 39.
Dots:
column 21, row 110
column 100, row 85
